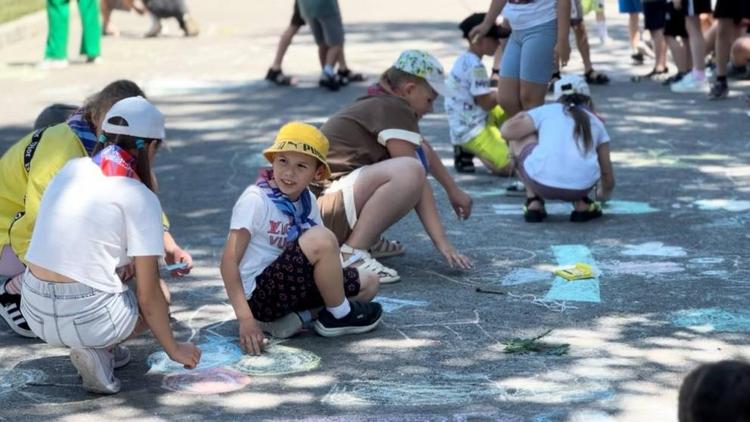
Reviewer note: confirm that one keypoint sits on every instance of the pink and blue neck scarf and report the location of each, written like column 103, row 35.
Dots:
column 115, row 161
column 298, row 223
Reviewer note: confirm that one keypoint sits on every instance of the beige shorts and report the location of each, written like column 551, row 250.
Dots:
column 337, row 207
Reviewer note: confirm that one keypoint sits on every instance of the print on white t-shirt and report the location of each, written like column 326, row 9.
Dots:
column 558, row 160
column 468, row 79
column 268, row 227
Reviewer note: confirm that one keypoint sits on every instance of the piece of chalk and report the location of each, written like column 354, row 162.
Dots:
column 491, row 291
column 177, row 266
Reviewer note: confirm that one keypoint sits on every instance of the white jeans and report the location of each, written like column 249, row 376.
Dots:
column 76, row 315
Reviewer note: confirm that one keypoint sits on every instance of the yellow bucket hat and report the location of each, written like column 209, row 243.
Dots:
column 303, row 138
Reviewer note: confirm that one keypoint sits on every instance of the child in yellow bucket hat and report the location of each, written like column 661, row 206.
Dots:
column 280, row 263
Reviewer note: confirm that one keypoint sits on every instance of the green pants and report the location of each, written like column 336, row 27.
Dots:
column 57, row 34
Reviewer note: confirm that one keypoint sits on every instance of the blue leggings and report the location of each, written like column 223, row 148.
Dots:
column 530, row 52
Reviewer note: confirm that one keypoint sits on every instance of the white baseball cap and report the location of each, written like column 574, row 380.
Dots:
column 141, row 119
column 571, row 84
column 424, row 65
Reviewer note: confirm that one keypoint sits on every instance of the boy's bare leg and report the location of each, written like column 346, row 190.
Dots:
column 321, row 248
column 680, row 53
column 582, row 42
column 725, row 35
column 697, row 43
column 660, row 48
column 369, row 284
column 332, row 55
column 508, row 95
column 383, row 193
column 633, row 31
column 284, row 42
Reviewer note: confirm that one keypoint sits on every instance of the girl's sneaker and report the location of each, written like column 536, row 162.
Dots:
column 96, row 367
column 690, row 85
column 362, row 318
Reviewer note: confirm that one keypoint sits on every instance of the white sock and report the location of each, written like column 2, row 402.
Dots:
column 340, row 311
column 601, row 29
column 328, row 70
column 305, row 316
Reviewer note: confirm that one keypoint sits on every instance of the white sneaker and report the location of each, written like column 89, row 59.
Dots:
column 690, row 85
column 96, row 367
column 284, row 327
column 121, row 356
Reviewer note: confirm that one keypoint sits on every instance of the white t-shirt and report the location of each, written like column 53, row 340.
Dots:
column 90, row 224
column 268, row 226
column 558, row 161
column 468, row 78
column 524, row 16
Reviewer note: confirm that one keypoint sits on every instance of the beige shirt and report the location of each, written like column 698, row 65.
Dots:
column 358, row 133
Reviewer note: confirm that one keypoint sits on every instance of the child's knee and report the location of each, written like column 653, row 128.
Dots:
column 410, row 170
column 318, row 241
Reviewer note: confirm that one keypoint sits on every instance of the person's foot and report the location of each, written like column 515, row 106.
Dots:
column 156, row 28
column 10, row 310
column 463, row 161
column 596, row 78
column 110, row 31
column 190, row 26
column 638, row 58
column 362, row 318
column 533, row 210
column 330, row 82
column 284, row 327
column 121, row 356
column 96, row 367
column 690, row 85
column 94, row 60
column 277, row 77
column 719, row 90
column 362, row 259
column 654, row 75
column 585, row 210
column 347, row 76
column 516, row 188
column 677, row 77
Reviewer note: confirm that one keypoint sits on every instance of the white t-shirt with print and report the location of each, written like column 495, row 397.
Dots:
column 90, row 224
column 268, row 226
column 468, row 79
column 527, row 15
column 558, row 160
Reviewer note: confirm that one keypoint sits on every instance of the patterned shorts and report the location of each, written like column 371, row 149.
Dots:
column 288, row 285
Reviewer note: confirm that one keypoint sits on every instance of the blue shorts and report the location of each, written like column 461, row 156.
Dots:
column 530, row 53
column 631, row 6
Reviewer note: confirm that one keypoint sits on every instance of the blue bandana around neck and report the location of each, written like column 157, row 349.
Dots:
column 83, row 130
column 298, row 223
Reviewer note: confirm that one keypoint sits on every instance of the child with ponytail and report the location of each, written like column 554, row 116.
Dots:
column 561, row 151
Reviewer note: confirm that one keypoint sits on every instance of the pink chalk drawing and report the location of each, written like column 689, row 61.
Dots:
column 206, row 381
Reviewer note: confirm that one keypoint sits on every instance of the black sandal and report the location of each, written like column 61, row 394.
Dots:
column 596, row 78
column 347, row 76
column 534, row 216
column 279, row 78
column 594, row 210
column 555, row 77
column 463, row 161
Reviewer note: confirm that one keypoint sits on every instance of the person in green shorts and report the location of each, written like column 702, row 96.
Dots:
column 56, row 51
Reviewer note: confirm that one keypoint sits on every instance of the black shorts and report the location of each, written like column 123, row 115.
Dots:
column 696, row 7
column 675, row 23
column 654, row 14
column 296, row 17
column 732, row 9
column 288, row 285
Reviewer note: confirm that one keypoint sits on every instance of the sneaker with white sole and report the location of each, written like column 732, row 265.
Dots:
column 10, row 310
column 284, row 327
column 362, row 318
column 96, row 367
column 689, row 84
column 121, row 356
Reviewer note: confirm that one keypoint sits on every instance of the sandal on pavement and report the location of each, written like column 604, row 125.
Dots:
column 385, row 248
column 594, row 210
column 360, row 259
column 534, row 216
column 347, row 76
column 596, row 78
column 279, row 78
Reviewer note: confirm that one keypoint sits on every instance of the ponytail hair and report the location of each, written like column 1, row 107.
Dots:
column 575, row 105
column 137, row 147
